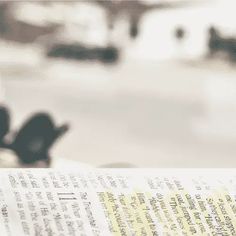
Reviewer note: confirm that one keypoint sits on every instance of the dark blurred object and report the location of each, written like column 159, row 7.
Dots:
column 218, row 43
column 35, row 138
column 4, row 124
column 33, row 141
column 18, row 31
column 180, row 33
column 79, row 52
column 214, row 43
column 4, row 17
column 134, row 29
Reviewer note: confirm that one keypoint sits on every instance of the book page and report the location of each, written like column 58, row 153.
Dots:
column 118, row 202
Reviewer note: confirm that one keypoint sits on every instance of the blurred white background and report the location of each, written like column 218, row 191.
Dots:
column 165, row 103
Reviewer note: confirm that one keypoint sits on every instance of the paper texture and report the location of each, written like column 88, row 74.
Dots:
column 118, row 202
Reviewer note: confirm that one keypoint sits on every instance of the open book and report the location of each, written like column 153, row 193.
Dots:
column 104, row 202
